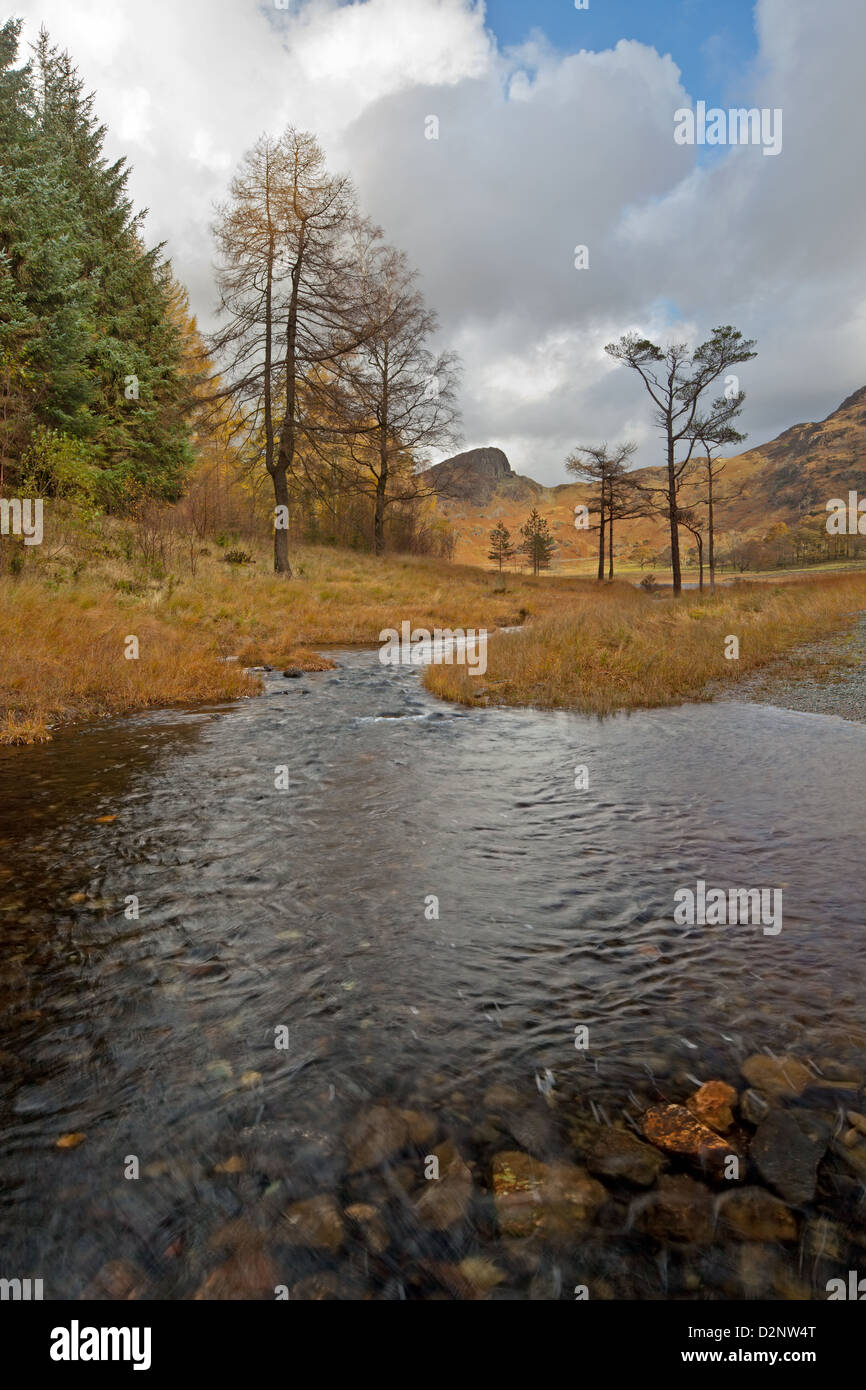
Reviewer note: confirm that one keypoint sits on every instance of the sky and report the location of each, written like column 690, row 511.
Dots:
column 556, row 129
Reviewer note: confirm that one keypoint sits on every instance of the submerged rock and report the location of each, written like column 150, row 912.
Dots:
column 247, row 1274
column 680, row 1209
column 712, row 1103
column 121, row 1281
column 620, row 1155
column 751, row 1213
column 754, row 1107
column 445, row 1200
column 375, row 1136
column 550, row 1199
column 676, row 1131
column 371, row 1227
column 315, row 1223
column 787, row 1151
column 779, row 1077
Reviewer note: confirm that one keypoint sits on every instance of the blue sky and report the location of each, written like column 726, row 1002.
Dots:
column 713, row 44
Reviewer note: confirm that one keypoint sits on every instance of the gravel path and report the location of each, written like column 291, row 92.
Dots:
column 825, row 677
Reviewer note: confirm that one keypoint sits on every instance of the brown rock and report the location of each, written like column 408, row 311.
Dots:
column 420, row 1128
column 121, row 1281
column 780, row 1077
column 315, row 1223
column 675, row 1130
column 375, row 1136
column 712, row 1105
column 551, row 1199
column 247, row 1274
column 371, row 1227
column 619, row 1154
column 751, row 1213
column 680, row 1209
column 316, row 1288
column 445, row 1199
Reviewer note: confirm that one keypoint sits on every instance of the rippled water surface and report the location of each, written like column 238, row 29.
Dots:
column 308, row 909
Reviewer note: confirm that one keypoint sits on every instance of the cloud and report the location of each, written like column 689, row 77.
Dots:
column 538, row 152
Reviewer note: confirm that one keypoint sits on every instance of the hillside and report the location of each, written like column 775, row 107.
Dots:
column 788, row 480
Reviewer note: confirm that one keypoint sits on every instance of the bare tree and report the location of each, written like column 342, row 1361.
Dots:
column 676, row 390
column 400, row 397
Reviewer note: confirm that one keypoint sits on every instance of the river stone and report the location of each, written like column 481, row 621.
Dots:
column 375, row 1136
column 247, row 1274
column 420, row 1128
column 499, row 1097
column 316, row 1288
column 293, row 672
column 824, row 1239
column 751, row 1213
column 675, row 1130
column 445, row 1200
column 371, row 1227
column 120, row 1281
column 619, row 1154
column 787, row 1151
column 711, row 1103
column 550, row 1199
column 854, row 1158
column 680, row 1209
column 779, row 1077
column 754, row 1107
column 315, row 1223
column 857, row 1121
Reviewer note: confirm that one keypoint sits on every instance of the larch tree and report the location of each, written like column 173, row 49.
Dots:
column 288, row 288
column 615, row 495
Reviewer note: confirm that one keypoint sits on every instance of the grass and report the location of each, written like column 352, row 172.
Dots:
column 65, row 620
column 64, row 624
column 617, row 648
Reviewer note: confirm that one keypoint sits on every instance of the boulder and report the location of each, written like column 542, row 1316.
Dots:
column 712, row 1103
column 549, row 1199
column 779, row 1077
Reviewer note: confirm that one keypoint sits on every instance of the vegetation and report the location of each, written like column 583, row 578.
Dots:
column 615, row 647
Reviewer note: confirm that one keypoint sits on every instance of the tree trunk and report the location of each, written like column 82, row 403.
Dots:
column 700, row 541
column 672, row 511
column 379, row 514
column 601, row 536
column 610, row 538
column 712, row 555
column 281, row 534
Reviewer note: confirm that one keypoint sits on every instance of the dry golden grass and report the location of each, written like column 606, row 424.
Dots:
column 63, row 638
column 617, row 648
column 63, row 657
column 583, row 646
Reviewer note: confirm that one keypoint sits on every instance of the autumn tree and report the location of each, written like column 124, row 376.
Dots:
column 288, row 288
column 677, row 380
column 399, row 396
column 538, row 544
column 502, row 550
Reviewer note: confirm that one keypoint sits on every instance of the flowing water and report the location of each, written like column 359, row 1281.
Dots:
column 311, row 909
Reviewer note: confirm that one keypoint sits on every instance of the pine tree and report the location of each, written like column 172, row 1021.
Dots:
column 538, row 544
column 501, row 548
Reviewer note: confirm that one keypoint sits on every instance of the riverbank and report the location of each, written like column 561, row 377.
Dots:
column 66, row 622
column 621, row 649
column 90, row 634
column 823, row 677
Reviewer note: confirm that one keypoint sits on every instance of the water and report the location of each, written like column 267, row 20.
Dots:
column 312, row 909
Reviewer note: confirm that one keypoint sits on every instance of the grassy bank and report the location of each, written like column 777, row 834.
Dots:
column 617, row 648
column 65, row 618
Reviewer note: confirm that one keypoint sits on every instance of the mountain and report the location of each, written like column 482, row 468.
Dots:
column 788, row 480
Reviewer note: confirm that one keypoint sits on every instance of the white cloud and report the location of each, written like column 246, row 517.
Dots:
column 537, row 152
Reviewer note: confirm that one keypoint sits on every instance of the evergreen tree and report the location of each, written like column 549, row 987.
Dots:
column 538, row 544
column 501, row 548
